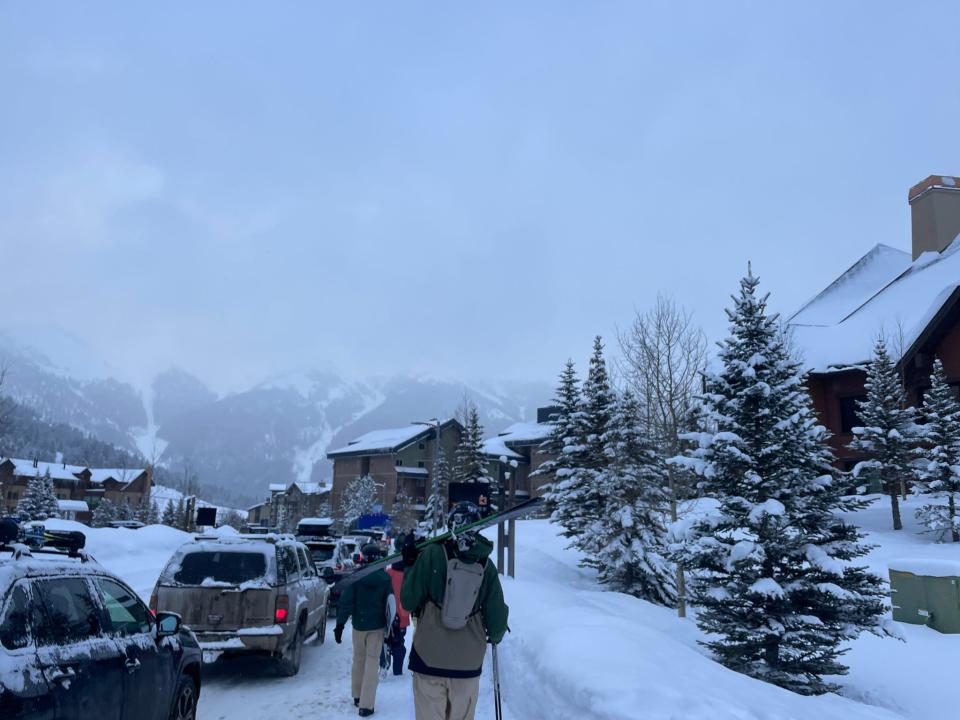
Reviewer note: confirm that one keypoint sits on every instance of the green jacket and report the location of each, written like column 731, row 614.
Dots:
column 436, row 649
column 366, row 601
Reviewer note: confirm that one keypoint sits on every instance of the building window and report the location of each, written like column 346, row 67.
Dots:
column 423, row 446
column 421, row 464
column 849, row 417
column 399, row 462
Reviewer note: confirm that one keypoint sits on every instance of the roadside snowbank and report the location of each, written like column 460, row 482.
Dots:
column 578, row 652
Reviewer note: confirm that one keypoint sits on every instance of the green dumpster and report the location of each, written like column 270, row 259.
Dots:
column 926, row 592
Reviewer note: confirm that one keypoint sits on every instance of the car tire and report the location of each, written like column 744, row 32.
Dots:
column 288, row 664
column 185, row 700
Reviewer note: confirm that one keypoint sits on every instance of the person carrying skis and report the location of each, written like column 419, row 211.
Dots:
column 370, row 602
column 396, row 638
column 454, row 591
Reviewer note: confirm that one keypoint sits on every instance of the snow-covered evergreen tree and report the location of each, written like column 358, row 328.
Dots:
column 103, row 514
column 39, row 501
column 358, row 499
column 772, row 569
column 403, row 516
column 889, row 434
column 630, row 540
column 145, row 511
column 564, row 446
column 940, row 456
column 169, row 517
column 182, row 521
column 580, row 503
column 471, row 464
column 123, row 511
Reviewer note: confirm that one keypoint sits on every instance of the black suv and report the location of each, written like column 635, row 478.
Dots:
column 76, row 642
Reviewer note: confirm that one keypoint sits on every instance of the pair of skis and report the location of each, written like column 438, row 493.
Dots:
column 517, row 511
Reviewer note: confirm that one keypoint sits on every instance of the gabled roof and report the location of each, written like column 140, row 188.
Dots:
column 310, row 488
column 98, row 476
column 495, row 447
column 58, row 471
column 390, row 440
column 883, row 293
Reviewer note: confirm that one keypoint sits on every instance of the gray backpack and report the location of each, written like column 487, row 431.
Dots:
column 460, row 594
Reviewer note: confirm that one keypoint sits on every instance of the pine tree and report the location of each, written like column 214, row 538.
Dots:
column 104, row 513
column 471, row 463
column 123, row 511
column 358, row 499
column 180, row 521
column 580, row 503
column 630, row 542
column 169, row 517
column 39, row 501
column 142, row 512
column 889, row 433
column 772, row 565
column 565, row 445
column 152, row 515
column 436, row 511
column 403, row 516
column 940, row 455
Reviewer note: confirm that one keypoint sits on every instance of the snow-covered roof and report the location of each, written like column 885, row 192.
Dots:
column 316, row 521
column 98, row 476
column 308, row 488
column 278, row 487
column 72, row 506
column 496, row 447
column 527, row 433
column 386, row 440
column 884, row 292
column 58, row 471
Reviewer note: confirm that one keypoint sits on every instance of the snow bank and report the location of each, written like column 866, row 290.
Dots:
column 577, row 652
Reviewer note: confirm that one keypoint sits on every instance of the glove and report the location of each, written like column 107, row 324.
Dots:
column 338, row 634
column 410, row 554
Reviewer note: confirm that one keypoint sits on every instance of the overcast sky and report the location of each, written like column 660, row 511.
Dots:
column 469, row 189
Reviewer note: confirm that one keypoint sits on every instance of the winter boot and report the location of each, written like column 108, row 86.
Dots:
column 364, row 712
column 356, row 702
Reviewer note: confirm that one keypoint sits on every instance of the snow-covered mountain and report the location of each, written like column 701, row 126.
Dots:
column 237, row 444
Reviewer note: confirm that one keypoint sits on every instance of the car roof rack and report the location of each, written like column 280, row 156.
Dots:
column 19, row 550
column 241, row 538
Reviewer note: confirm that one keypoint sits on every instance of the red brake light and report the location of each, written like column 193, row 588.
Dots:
column 280, row 614
column 153, row 604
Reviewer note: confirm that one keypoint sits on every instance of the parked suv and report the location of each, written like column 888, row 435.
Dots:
column 77, row 642
column 248, row 594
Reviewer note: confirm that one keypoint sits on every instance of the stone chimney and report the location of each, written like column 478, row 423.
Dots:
column 935, row 213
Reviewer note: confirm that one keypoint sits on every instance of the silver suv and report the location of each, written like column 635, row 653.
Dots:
column 246, row 595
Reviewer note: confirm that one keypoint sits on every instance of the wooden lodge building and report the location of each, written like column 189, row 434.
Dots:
column 79, row 489
column 398, row 459
column 913, row 299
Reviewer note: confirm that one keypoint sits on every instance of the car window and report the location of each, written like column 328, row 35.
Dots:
column 128, row 616
column 287, row 562
column 15, row 625
column 69, row 612
column 305, row 563
column 212, row 568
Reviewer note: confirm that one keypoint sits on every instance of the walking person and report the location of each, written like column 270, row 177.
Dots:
column 397, row 638
column 454, row 592
column 368, row 601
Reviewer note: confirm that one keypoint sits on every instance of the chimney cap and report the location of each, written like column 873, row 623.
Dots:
column 943, row 182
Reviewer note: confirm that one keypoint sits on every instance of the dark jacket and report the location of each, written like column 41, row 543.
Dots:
column 438, row 650
column 366, row 601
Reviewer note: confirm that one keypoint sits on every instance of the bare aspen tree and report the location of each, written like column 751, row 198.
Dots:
column 663, row 355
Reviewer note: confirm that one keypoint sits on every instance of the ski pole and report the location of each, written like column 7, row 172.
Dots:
column 496, row 685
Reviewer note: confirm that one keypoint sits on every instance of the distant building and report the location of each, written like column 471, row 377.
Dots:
column 520, row 443
column 912, row 298
column 289, row 504
column 398, row 459
column 77, row 484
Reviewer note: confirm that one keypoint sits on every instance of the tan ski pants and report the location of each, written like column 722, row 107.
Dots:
column 366, row 665
column 440, row 698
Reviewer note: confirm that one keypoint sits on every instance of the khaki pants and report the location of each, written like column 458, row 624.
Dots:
column 366, row 665
column 440, row 698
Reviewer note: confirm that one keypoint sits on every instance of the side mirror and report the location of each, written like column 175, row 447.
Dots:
column 168, row 624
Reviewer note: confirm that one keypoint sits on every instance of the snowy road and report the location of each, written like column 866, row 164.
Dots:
column 247, row 689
